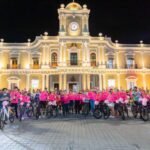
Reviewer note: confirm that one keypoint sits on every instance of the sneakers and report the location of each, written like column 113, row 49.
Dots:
column 112, row 116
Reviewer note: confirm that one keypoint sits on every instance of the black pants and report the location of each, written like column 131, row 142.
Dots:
column 16, row 109
column 77, row 107
column 65, row 109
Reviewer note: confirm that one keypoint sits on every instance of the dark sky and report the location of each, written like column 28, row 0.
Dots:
column 125, row 20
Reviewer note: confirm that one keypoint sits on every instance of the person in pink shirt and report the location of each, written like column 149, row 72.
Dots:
column 71, row 101
column 65, row 103
column 52, row 97
column 92, row 96
column 43, row 100
column 14, row 97
column 25, row 98
column 78, row 100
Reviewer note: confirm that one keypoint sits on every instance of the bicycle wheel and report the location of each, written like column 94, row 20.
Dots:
column 144, row 114
column 49, row 112
column 29, row 112
column 21, row 114
column 106, row 112
column 122, row 115
column 37, row 112
column 134, row 111
column 1, row 121
column 97, row 113
column 11, row 118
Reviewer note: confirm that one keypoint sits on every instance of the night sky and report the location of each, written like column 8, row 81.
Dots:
column 125, row 20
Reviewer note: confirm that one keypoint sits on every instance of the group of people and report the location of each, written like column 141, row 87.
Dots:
column 73, row 101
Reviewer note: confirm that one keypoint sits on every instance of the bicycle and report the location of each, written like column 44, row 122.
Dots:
column 4, row 114
column 51, row 110
column 25, row 108
column 102, row 109
column 123, row 110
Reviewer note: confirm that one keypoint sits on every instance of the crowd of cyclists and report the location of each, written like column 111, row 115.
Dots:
column 110, row 103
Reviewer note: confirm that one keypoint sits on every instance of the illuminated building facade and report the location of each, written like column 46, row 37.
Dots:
column 74, row 59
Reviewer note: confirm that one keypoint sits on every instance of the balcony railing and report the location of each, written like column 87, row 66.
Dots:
column 111, row 66
column 94, row 64
column 74, row 63
column 37, row 66
column 131, row 66
column 14, row 66
column 54, row 64
column 78, row 63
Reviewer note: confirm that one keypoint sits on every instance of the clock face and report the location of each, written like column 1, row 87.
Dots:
column 74, row 26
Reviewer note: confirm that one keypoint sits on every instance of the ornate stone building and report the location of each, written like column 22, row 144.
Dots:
column 74, row 59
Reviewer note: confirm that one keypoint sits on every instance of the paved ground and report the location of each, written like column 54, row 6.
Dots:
column 76, row 134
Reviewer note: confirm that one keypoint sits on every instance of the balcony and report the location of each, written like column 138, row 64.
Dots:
column 14, row 66
column 77, row 63
column 54, row 64
column 36, row 66
column 94, row 64
column 131, row 66
column 111, row 66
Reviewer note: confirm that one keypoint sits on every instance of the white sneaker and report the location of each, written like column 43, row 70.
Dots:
column 112, row 116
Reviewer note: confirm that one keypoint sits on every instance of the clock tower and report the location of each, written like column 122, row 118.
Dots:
column 73, row 20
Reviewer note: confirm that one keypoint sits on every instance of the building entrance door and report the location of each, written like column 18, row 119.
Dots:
column 73, row 86
column 56, row 86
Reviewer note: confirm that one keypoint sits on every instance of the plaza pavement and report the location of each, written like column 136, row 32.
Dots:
column 76, row 134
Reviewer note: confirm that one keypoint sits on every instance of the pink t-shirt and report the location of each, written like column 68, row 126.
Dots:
column 91, row 95
column 25, row 99
column 14, row 96
column 44, row 96
column 52, row 97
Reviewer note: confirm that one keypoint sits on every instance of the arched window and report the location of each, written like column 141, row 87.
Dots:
column 93, row 59
column 54, row 59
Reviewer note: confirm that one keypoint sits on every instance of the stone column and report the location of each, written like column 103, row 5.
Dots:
column 88, row 55
column 47, row 81
column 28, row 82
column 43, row 55
column 117, row 60
column 98, row 57
column 60, row 81
column 103, row 56
column 83, row 55
column 88, row 81
column 104, row 82
column 65, row 82
column 100, row 82
column 65, row 60
column 143, row 63
column 84, row 81
column 43, row 81
column 47, row 55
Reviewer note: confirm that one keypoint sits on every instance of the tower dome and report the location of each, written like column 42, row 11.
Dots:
column 73, row 6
